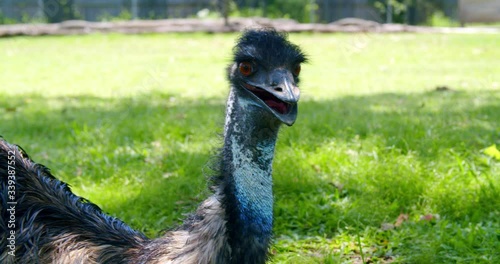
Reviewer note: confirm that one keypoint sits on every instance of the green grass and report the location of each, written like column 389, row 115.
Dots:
column 131, row 122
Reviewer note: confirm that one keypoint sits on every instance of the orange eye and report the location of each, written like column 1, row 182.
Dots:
column 296, row 70
column 246, row 68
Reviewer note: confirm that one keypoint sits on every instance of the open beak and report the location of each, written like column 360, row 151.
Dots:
column 280, row 95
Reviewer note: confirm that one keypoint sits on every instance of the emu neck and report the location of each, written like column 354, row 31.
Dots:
column 249, row 140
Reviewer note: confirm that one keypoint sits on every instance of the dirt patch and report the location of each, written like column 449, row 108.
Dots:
column 349, row 25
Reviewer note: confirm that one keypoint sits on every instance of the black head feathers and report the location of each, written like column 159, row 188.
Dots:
column 268, row 48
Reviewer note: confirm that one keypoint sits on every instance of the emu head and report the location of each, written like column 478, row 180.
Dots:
column 265, row 72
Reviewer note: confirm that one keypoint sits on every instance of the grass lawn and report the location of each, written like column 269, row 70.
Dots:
column 380, row 166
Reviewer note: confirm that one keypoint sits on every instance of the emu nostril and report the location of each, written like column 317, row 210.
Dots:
column 278, row 89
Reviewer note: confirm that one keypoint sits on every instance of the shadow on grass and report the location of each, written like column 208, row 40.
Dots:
column 422, row 123
column 159, row 144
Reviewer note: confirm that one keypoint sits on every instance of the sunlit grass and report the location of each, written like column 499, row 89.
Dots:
column 131, row 122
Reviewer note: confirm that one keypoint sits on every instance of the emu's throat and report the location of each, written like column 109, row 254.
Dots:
column 250, row 138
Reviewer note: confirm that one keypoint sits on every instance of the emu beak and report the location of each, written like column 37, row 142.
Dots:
column 278, row 94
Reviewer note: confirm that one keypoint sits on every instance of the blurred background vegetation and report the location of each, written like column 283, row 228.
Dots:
column 413, row 12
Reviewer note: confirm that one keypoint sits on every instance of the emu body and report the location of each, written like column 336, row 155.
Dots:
column 233, row 225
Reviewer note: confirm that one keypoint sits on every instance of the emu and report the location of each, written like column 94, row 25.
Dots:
column 233, row 225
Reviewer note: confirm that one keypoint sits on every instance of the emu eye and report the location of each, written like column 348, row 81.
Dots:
column 296, row 70
column 246, row 68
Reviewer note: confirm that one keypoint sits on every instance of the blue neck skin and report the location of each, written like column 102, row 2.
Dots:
column 249, row 141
